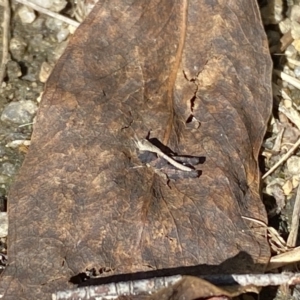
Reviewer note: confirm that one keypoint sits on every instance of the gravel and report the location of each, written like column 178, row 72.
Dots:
column 36, row 43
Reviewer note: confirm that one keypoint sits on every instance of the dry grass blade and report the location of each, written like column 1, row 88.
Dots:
column 49, row 13
column 276, row 242
column 284, row 259
column 5, row 53
column 289, row 79
column 283, row 159
column 291, row 242
column 294, row 117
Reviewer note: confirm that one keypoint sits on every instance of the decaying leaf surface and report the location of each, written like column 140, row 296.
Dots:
column 196, row 75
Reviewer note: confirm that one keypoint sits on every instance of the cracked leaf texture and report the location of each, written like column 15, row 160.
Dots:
column 197, row 76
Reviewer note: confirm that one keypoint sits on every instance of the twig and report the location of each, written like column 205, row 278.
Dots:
column 26, row 124
column 49, row 13
column 289, row 79
column 151, row 285
column 291, row 241
column 283, row 159
column 5, row 53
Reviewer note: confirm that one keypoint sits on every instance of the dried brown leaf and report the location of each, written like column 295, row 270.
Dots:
column 196, row 75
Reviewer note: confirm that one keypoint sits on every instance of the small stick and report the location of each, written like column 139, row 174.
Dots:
column 283, row 159
column 145, row 145
column 49, row 13
column 5, row 53
column 291, row 241
column 152, row 285
column 289, row 79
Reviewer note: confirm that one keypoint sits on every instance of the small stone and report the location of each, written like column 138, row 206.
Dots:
column 38, row 23
column 31, row 74
column 43, row 3
column 297, row 71
column 290, row 51
column 295, row 32
column 19, row 112
column 287, row 187
column 45, row 71
column 17, row 47
column 295, row 13
column 4, row 179
column 72, row 29
column 62, row 35
column 26, row 14
column 53, row 5
column 18, row 143
column 8, row 169
column 58, row 5
column 3, row 224
column 13, row 70
column 296, row 44
column 285, row 25
column 293, row 165
column 287, row 103
column 54, row 24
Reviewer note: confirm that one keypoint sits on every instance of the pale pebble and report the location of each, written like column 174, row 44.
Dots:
column 293, row 165
column 3, row 224
column 19, row 112
column 26, row 14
